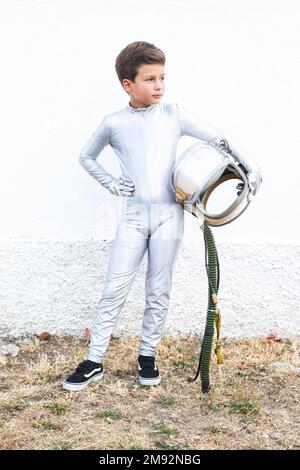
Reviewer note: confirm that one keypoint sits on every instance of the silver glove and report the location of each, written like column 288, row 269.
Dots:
column 253, row 171
column 121, row 186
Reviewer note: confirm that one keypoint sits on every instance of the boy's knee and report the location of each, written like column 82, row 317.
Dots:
column 113, row 290
column 158, row 297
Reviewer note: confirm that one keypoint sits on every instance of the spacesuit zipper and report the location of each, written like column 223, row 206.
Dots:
column 147, row 161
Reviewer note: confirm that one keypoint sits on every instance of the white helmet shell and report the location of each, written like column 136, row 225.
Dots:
column 198, row 171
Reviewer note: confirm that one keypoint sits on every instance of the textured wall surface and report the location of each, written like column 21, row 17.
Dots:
column 55, row 287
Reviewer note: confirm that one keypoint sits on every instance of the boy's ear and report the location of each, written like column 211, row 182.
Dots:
column 124, row 88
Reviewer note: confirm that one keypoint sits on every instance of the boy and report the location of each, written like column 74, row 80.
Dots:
column 144, row 135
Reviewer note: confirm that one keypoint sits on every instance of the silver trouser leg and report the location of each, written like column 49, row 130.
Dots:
column 163, row 247
column 126, row 255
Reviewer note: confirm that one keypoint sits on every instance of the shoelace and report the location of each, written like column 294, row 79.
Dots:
column 83, row 367
column 147, row 363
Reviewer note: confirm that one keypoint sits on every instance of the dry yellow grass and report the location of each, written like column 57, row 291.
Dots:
column 252, row 405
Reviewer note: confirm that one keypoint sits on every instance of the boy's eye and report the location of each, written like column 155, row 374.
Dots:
column 152, row 78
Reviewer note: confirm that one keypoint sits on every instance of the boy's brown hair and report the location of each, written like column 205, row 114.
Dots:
column 134, row 55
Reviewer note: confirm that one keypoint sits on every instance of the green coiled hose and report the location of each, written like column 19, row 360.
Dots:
column 213, row 313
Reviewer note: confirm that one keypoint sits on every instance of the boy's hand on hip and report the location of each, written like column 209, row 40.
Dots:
column 121, row 186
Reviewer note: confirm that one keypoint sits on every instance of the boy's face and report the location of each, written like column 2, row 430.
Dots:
column 148, row 87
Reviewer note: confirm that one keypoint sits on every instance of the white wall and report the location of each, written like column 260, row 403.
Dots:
column 233, row 63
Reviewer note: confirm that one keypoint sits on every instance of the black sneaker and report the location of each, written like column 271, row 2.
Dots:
column 148, row 370
column 86, row 372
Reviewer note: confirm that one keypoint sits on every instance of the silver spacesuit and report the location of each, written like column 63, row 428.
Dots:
column 145, row 140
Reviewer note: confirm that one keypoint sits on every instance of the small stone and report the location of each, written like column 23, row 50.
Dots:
column 286, row 365
column 9, row 350
column 275, row 435
column 283, row 365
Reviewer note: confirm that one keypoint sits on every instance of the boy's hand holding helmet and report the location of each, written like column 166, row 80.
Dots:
column 253, row 171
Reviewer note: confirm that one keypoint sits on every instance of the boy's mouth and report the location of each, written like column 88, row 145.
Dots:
column 157, row 96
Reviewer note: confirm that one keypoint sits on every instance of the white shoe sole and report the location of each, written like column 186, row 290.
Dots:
column 75, row 387
column 155, row 381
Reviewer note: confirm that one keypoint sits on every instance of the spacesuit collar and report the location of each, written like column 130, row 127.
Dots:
column 138, row 110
